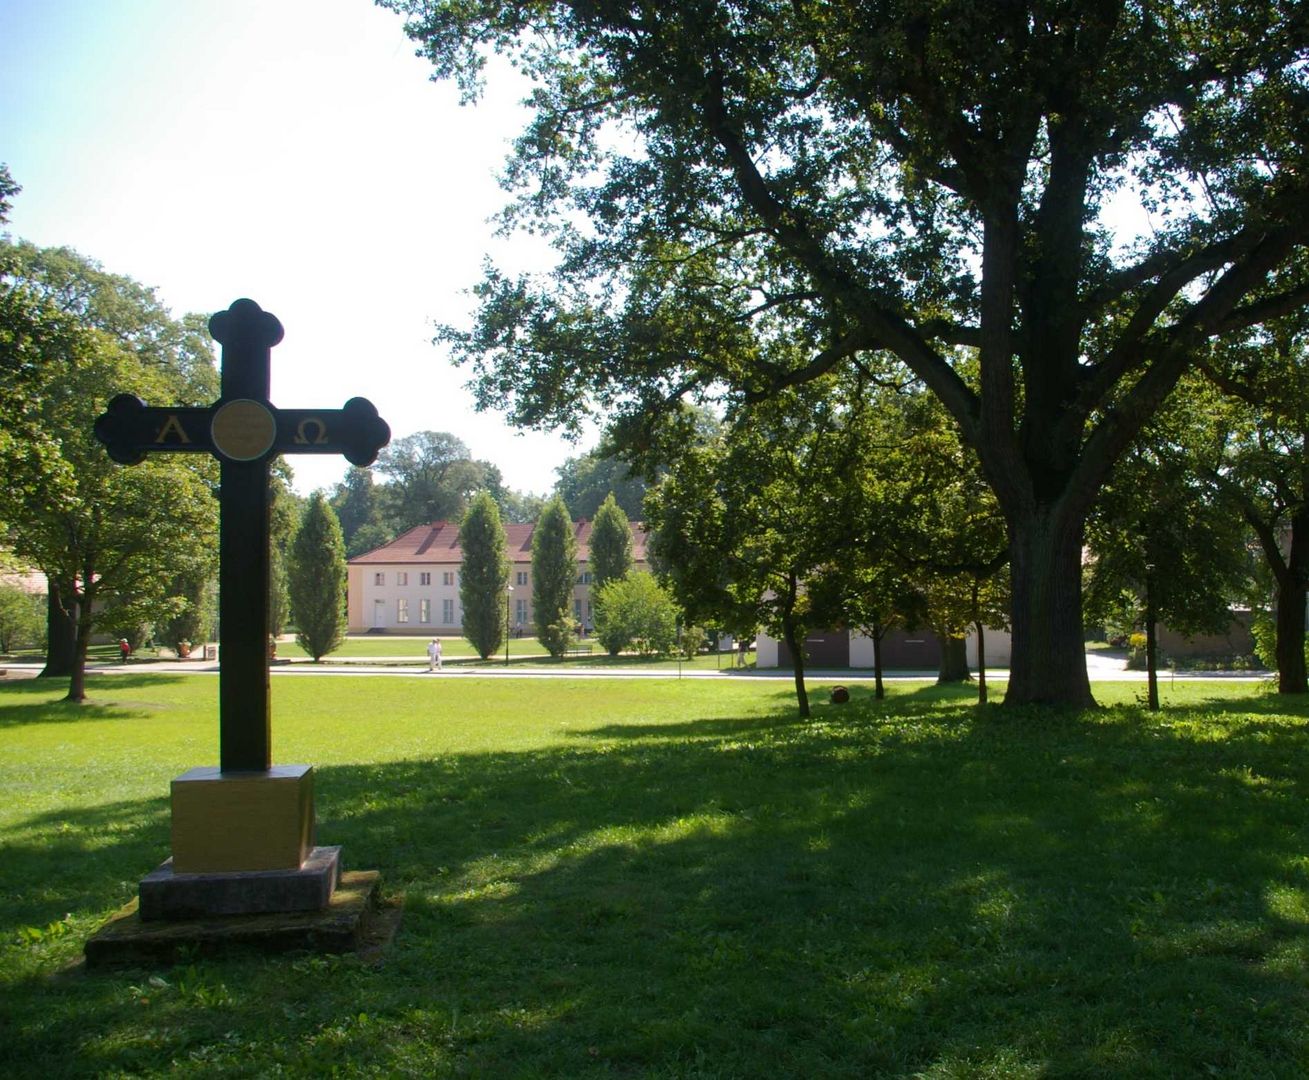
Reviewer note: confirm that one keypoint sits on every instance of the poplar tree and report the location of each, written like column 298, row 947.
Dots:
column 554, row 573
column 316, row 574
column 611, row 544
column 484, row 575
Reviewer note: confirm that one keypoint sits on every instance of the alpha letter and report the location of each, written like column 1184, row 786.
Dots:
column 173, row 425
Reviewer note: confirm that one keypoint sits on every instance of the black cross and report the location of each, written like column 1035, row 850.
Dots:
column 243, row 430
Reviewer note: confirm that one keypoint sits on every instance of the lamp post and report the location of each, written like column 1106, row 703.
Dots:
column 509, row 591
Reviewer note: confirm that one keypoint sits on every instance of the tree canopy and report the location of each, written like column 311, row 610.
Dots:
column 1260, row 468
column 112, row 541
column 746, row 194
column 587, row 480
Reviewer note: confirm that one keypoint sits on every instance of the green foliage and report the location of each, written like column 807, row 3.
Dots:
column 356, row 504
column 285, row 511
column 745, row 197
column 316, row 579
column 197, row 621
column 611, row 543
column 1263, row 628
column 1259, row 445
column 126, row 622
column 1161, row 535
column 1136, row 658
column 554, row 576
column 484, row 575
column 432, row 478
column 125, row 312
column 636, row 612
column 586, row 482
column 1264, row 631
column 8, row 189
column 693, row 641
column 111, row 539
column 22, row 619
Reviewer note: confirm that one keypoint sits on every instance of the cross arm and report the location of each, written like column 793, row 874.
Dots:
column 129, row 429
column 354, row 430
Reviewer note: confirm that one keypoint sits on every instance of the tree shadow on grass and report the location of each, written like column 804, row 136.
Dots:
column 877, row 891
column 41, row 701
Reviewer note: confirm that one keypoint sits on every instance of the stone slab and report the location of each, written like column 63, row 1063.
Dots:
column 354, row 921
column 167, row 894
column 225, row 822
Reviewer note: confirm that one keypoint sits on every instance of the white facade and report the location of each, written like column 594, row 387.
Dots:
column 411, row 585
column 861, row 650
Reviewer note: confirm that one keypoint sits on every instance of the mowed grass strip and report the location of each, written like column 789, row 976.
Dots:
column 526, row 651
column 609, row 878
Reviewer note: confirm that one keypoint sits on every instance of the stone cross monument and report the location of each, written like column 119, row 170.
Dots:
column 247, row 819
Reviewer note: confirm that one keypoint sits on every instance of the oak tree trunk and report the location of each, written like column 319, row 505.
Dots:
column 61, row 630
column 1151, row 648
column 879, row 691
column 77, row 677
column 1048, row 664
column 1291, row 673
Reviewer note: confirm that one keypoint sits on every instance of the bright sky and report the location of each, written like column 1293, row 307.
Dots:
column 291, row 151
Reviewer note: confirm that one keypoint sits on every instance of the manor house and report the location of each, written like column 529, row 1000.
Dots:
column 411, row 585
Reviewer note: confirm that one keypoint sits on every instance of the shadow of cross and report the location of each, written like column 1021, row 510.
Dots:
column 243, row 429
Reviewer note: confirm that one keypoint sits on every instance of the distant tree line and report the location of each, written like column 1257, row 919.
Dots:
column 431, row 476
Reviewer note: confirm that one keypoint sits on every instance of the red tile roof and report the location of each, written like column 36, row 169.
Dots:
column 438, row 543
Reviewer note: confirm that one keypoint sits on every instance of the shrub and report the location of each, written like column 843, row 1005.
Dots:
column 693, row 640
column 1136, row 660
column 636, row 611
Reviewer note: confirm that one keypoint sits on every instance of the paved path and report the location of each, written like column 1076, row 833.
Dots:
column 1100, row 668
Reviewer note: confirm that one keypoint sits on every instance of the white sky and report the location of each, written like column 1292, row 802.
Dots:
column 291, row 151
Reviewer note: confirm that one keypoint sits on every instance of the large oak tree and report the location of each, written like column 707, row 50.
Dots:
column 747, row 193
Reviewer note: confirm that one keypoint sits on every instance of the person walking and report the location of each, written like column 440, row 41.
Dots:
column 434, row 655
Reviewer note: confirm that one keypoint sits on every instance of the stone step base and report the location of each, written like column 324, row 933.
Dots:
column 353, row 921
column 168, row 895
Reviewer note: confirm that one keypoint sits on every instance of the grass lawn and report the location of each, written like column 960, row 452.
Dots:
column 679, row 879
column 525, row 651
column 382, row 645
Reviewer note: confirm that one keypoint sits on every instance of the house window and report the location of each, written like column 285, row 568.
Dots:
column 402, row 578
column 425, row 578
column 577, row 610
column 520, row 612
column 447, row 613
column 402, row 610
column 379, row 579
column 448, row 577
column 521, row 578
column 424, row 610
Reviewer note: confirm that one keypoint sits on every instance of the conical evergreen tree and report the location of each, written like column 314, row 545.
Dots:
column 554, row 574
column 484, row 575
column 316, row 574
column 611, row 544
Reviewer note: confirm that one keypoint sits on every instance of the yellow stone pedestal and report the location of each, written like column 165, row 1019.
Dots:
column 242, row 821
